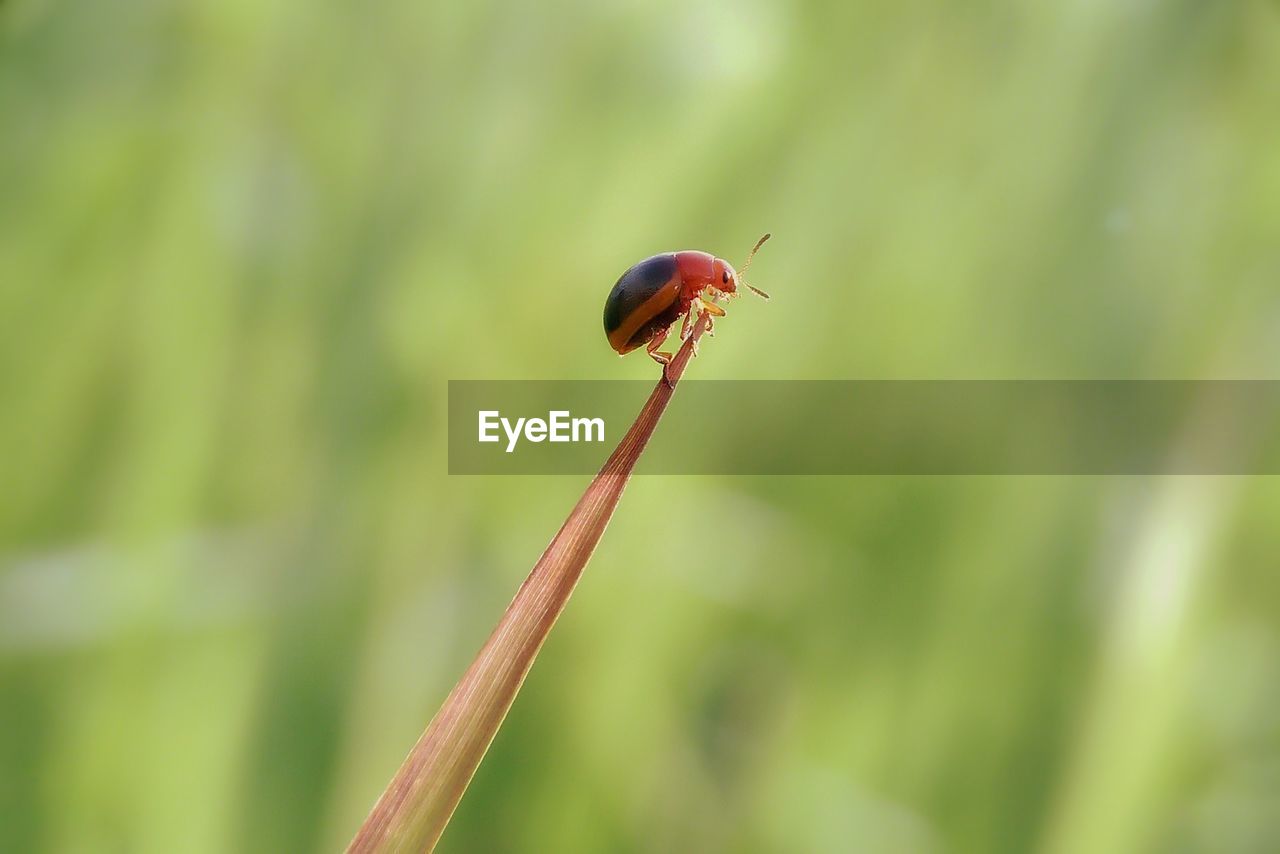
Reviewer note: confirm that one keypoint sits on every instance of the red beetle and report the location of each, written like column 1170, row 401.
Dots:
column 651, row 296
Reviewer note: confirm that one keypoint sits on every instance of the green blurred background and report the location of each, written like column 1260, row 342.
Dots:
column 243, row 246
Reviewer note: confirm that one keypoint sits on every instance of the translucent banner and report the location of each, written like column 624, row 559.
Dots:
column 881, row 427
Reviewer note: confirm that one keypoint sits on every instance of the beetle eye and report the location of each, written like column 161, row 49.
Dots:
column 725, row 277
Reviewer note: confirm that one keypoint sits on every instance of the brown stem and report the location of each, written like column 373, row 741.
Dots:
column 418, row 802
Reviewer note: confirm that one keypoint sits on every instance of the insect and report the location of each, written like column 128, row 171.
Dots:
column 651, row 296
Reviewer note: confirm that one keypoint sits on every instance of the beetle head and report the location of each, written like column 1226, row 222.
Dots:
column 724, row 278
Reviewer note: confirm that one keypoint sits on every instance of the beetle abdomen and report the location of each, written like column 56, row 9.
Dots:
column 643, row 294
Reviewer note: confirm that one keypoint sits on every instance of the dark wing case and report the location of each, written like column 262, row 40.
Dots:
column 635, row 288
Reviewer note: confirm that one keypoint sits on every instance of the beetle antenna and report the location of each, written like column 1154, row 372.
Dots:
column 747, row 266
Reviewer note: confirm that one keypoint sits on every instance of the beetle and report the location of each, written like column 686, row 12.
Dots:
column 651, row 296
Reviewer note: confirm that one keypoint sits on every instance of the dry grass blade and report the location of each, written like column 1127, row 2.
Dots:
column 417, row 804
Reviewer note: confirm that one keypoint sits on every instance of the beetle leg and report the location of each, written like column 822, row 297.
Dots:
column 697, row 309
column 710, row 330
column 690, row 323
column 662, row 358
column 711, row 308
column 712, row 311
column 659, row 337
column 687, row 327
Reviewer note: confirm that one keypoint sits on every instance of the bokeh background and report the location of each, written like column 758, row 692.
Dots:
column 243, row 246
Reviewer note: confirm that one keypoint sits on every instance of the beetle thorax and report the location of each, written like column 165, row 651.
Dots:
column 702, row 270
